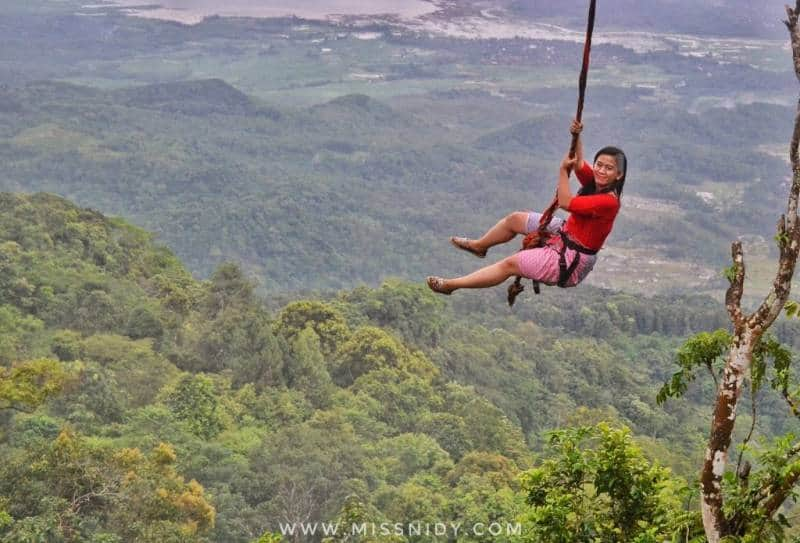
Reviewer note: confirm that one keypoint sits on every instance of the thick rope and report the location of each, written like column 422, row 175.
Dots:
column 541, row 235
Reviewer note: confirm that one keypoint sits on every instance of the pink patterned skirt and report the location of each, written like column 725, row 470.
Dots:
column 541, row 264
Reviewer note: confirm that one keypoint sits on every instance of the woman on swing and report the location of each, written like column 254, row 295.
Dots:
column 591, row 216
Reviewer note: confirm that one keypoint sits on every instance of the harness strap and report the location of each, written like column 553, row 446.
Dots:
column 575, row 246
column 565, row 272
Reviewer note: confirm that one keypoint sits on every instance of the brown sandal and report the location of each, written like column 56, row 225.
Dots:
column 464, row 245
column 436, row 284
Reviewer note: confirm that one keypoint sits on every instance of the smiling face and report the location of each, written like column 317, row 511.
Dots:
column 606, row 171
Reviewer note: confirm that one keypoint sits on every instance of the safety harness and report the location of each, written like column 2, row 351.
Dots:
column 564, row 271
column 560, row 241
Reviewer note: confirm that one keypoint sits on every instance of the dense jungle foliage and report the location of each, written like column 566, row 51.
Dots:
column 137, row 403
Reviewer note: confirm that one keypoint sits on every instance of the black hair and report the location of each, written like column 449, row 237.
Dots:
column 615, row 187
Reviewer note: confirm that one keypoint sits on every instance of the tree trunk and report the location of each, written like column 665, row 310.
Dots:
column 716, row 458
column 747, row 330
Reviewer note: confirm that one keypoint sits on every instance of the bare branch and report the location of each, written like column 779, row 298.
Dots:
column 79, row 501
column 792, row 404
column 766, row 490
column 787, row 234
column 779, row 495
column 794, row 33
column 713, row 374
column 733, row 297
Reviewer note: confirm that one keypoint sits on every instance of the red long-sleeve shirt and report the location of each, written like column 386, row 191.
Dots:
column 591, row 217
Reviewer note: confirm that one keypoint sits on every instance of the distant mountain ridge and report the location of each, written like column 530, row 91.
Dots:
column 356, row 189
column 199, row 96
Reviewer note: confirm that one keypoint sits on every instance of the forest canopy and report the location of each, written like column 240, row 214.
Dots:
column 216, row 415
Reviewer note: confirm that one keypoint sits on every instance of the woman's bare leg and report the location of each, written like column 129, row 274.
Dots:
column 489, row 276
column 505, row 230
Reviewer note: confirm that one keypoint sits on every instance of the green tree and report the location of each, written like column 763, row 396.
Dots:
column 97, row 311
column 450, row 431
column 95, row 400
column 421, row 500
column 228, row 287
column 28, row 384
column 302, row 473
column 326, row 321
column 66, row 345
column 16, row 331
column 488, row 429
column 238, row 338
column 306, row 369
column 397, row 459
column 144, row 322
column 370, row 348
column 485, row 489
column 597, row 486
column 136, row 365
column 195, row 402
column 355, row 512
column 766, row 473
column 410, row 309
column 402, row 400
column 70, row 487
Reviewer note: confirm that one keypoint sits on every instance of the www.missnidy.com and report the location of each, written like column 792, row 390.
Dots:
column 386, row 529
